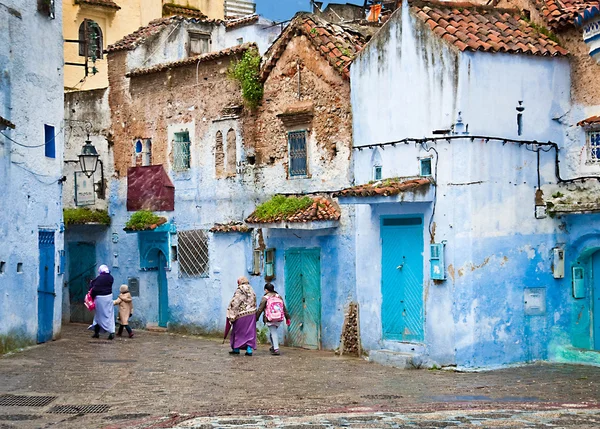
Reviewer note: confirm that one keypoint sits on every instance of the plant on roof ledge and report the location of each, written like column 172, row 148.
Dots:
column 84, row 215
column 143, row 220
column 247, row 72
column 281, row 205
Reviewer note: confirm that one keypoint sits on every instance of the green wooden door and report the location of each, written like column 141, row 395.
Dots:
column 82, row 269
column 303, row 295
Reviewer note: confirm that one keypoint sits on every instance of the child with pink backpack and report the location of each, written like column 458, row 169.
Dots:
column 275, row 312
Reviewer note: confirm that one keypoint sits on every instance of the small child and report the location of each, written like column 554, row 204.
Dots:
column 275, row 312
column 125, row 304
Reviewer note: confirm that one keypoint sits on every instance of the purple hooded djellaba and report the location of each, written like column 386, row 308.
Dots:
column 241, row 313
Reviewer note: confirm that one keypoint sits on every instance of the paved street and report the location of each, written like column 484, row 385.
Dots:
column 162, row 380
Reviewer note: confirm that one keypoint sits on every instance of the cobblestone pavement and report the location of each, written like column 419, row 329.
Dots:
column 162, row 380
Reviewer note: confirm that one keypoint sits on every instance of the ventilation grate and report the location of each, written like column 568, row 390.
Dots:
column 79, row 409
column 25, row 401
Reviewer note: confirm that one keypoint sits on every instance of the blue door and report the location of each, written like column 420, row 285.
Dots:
column 163, row 291
column 46, row 293
column 402, row 278
column 596, row 300
column 82, row 264
column 303, row 296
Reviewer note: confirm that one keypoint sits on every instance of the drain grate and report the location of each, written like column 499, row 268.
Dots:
column 79, row 409
column 25, row 401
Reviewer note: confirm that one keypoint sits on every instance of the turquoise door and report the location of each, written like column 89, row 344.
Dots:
column 82, row 269
column 46, row 292
column 163, row 291
column 303, row 296
column 402, row 278
column 596, row 300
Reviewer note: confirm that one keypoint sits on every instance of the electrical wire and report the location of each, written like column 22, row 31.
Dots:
column 36, row 175
column 32, row 146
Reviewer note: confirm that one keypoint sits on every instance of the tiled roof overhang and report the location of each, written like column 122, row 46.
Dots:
column 101, row 3
column 323, row 213
column 590, row 122
column 388, row 191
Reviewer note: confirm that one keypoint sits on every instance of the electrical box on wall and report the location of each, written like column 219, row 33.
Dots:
column 578, row 283
column 558, row 263
column 436, row 259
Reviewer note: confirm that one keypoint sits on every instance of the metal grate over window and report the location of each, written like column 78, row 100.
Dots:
column 593, row 138
column 297, row 142
column 181, row 151
column 193, row 253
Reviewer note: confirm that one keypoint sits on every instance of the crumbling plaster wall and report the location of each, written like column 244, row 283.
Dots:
column 330, row 132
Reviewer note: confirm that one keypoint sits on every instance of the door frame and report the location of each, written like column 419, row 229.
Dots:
column 163, row 290
column 382, row 228
column 46, row 295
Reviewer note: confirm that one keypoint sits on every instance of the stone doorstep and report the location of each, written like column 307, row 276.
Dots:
column 155, row 328
column 401, row 360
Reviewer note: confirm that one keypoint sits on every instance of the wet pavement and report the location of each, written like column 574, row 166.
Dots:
column 163, row 380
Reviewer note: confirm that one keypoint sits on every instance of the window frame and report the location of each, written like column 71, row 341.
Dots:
column 185, row 246
column 86, row 25
column 201, row 37
column 377, row 169
column 592, row 150
column 49, row 143
column 291, row 175
column 185, row 159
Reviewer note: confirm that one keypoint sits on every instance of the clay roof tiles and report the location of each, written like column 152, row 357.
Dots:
column 174, row 9
column 470, row 27
column 591, row 121
column 139, row 36
column 230, row 227
column 241, row 22
column 102, row 3
column 385, row 188
column 336, row 43
column 209, row 56
column 563, row 13
column 322, row 209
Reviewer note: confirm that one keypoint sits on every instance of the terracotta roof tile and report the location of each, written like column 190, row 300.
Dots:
column 484, row 28
column 322, row 209
column 241, row 22
column 170, row 9
column 133, row 40
column 592, row 120
column 385, row 188
column 591, row 11
column 101, row 3
column 6, row 123
column 342, row 43
column 560, row 14
column 230, row 227
column 192, row 60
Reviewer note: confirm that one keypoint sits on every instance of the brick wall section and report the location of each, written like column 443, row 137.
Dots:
column 321, row 84
column 144, row 106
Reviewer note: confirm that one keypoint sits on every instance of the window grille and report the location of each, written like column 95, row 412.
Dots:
column 593, row 138
column 193, row 253
column 90, row 36
column 181, row 151
column 297, row 144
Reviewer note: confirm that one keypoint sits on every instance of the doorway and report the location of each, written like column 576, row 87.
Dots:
column 46, row 293
column 82, row 265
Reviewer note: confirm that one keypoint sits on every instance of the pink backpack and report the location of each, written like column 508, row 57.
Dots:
column 274, row 310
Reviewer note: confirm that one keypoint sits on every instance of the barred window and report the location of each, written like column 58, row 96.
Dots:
column 297, row 148
column 593, row 143
column 193, row 253
column 181, row 151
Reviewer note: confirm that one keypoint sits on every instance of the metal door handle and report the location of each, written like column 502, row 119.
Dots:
column 399, row 267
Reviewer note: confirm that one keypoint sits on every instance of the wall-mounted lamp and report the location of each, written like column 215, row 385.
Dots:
column 89, row 160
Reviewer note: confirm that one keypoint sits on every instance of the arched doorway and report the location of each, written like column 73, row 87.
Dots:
column 158, row 260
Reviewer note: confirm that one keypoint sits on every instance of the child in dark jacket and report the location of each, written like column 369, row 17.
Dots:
column 272, row 315
column 125, row 303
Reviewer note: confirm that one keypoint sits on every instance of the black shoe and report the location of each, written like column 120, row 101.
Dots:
column 96, row 336
column 271, row 349
column 111, row 336
column 233, row 352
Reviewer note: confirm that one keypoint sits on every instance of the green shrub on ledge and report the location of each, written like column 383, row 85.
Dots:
column 247, row 72
column 281, row 205
column 84, row 215
column 143, row 220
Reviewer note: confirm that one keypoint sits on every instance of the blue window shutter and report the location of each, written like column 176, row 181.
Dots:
column 49, row 139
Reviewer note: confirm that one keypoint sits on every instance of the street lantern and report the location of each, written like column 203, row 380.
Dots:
column 88, row 159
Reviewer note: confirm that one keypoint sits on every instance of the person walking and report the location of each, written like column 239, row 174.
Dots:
column 101, row 291
column 241, row 315
column 125, row 303
column 274, row 313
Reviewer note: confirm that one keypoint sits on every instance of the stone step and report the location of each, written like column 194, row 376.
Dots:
column 155, row 328
column 401, row 360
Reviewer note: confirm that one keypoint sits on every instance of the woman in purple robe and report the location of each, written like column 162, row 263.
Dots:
column 241, row 313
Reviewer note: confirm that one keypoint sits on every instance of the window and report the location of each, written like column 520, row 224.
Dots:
column 297, row 153
column 377, row 172
column 181, row 151
column 2, row 267
column 269, row 264
column 19, row 267
column 231, row 152
column 147, row 153
column 193, row 253
column 90, row 36
column 240, row 41
column 425, row 167
column 199, row 43
column 50, row 141
column 219, row 155
column 256, row 260
column 46, row 7
column 593, row 144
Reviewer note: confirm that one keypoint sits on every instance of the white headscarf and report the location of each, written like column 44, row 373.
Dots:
column 103, row 269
